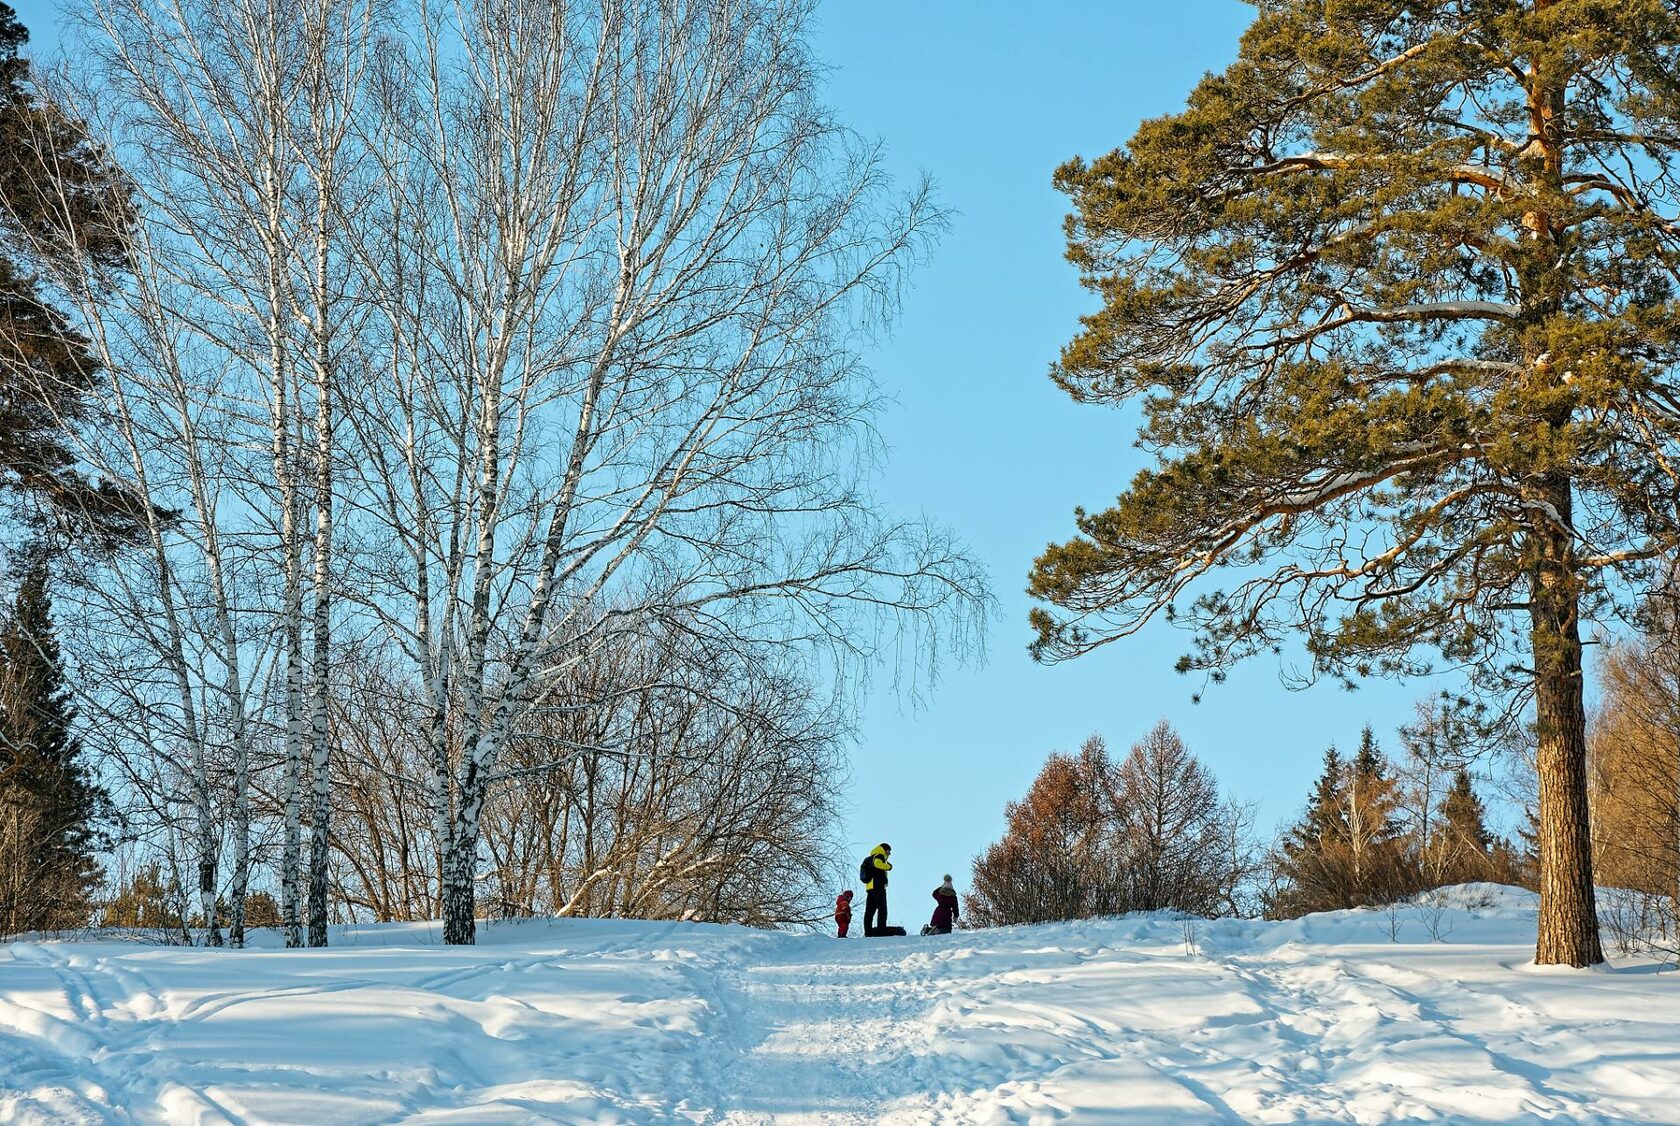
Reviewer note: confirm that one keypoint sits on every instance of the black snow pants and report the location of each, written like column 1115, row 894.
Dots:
column 874, row 911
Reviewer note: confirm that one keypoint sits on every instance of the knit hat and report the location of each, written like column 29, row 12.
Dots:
column 947, row 879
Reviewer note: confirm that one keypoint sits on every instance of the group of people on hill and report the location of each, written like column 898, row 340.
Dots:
column 873, row 875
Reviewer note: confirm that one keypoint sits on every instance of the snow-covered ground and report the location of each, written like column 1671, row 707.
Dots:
column 1323, row 1020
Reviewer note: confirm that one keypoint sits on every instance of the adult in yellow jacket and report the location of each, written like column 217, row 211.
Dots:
column 874, row 872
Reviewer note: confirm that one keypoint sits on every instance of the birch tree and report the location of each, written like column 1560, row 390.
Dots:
column 484, row 336
column 231, row 121
column 620, row 258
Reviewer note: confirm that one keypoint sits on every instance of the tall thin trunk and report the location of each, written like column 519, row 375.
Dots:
column 206, row 841
column 1568, row 913
column 234, row 689
column 291, row 859
column 175, row 656
column 241, row 840
column 284, row 419
column 321, row 626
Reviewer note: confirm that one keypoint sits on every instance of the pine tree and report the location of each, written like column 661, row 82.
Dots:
column 63, row 206
column 50, row 871
column 148, row 901
column 1396, row 293
column 1459, row 846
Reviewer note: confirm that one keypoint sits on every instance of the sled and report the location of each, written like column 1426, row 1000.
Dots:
column 888, row 932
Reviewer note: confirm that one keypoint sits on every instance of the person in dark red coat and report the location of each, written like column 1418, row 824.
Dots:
column 843, row 911
column 946, row 910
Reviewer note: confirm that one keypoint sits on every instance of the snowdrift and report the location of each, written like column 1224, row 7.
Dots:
column 1418, row 1015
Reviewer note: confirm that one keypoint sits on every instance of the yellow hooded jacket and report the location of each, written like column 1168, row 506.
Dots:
column 878, row 860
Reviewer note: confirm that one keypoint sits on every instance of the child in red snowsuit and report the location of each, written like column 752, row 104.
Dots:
column 843, row 911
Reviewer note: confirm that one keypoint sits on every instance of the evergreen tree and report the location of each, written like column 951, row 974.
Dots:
column 1312, row 857
column 1324, row 820
column 1382, row 869
column 1348, row 849
column 1463, row 848
column 149, row 901
column 1464, row 817
column 1396, row 292
column 1459, row 845
column 63, row 207
column 50, row 870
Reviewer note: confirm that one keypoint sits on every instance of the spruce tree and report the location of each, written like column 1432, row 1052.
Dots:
column 1382, row 869
column 50, row 871
column 1325, row 818
column 1348, row 849
column 1396, row 293
column 1463, row 846
column 1313, row 856
column 64, row 210
column 1464, row 817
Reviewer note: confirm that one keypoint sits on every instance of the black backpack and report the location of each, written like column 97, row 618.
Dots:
column 866, row 870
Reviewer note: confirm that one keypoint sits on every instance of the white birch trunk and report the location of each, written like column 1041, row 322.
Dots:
column 291, row 856
column 321, row 625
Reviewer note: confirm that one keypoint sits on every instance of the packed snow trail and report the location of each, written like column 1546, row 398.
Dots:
column 1141, row 1020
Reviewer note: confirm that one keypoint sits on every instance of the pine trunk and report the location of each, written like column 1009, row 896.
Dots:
column 1568, row 913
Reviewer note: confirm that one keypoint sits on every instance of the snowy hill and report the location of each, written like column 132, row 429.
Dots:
column 1324, row 1020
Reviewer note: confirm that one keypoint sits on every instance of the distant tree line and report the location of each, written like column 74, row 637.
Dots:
column 1095, row 837
column 1153, row 832
column 1375, row 832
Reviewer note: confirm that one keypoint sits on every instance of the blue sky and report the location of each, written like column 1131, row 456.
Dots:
column 988, row 97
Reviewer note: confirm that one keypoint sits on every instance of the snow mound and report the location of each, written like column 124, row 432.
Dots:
column 1432, row 1012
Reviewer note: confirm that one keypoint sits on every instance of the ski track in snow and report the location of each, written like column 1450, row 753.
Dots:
column 1140, row 1020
